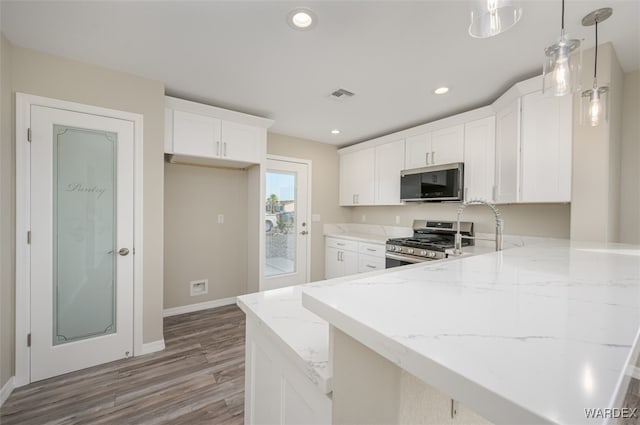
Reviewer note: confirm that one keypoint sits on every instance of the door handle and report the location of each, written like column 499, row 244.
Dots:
column 123, row 251
column 304, row 232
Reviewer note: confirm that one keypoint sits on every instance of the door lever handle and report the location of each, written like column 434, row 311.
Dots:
column 123, row 251
column 304, row 232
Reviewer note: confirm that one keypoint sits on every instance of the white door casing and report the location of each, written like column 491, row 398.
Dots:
column 36, row 115
column 302, row 226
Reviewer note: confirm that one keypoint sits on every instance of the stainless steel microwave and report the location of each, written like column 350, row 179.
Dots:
column 435, row 183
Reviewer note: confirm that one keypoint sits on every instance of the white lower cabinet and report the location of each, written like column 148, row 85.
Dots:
column 341, row 258
column 346, row 257
column 276, row 391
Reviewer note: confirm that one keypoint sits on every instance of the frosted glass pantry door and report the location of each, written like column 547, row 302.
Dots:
column 81, row 240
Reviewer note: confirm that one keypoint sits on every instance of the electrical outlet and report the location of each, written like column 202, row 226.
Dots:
column 199, row 287
column 220, row 218
column 397, row 219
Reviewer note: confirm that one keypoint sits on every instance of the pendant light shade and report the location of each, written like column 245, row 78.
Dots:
column 491, row 17
column 594, row 103
column 561, row 70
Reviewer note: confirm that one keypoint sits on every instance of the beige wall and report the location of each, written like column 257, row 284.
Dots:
column 549, row 220
column 630, row 163
column 325, row 170
column 7, row 216
column 196, row 246
column 595, row 203
column 49, row 76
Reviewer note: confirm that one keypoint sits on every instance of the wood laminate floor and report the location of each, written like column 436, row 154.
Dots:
column 198, row 379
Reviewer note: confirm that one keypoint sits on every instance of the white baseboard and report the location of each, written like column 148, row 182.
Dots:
column 173, row 311
column 152, row 347
column 6, row 390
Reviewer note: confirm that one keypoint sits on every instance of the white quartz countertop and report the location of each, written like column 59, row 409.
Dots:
column 360, row 237
column 535, row 334
column 301, row 335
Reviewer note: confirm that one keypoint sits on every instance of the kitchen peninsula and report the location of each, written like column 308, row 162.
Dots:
column 535, row 334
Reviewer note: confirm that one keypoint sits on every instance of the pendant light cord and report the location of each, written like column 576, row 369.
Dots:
column 595, row 65
column 562, row 16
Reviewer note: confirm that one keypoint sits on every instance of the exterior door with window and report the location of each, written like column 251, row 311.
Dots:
column 286, row 223
column 81, row 251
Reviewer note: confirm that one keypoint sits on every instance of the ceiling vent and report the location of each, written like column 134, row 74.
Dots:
column 341, row 94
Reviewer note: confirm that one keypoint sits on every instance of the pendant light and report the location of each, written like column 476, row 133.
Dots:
column 562, row 66
column 491, row 17
column 595, row 97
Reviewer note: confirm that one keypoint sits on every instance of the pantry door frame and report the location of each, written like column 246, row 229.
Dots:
column 24, row 102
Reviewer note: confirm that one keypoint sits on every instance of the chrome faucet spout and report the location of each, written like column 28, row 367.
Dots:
column 496, row 213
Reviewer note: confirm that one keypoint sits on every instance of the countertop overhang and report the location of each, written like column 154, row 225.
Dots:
column 535, row 334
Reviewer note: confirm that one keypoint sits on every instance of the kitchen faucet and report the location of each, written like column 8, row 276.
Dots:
column 457, row 250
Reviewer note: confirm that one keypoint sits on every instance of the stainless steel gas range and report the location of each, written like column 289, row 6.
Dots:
column 429, row 242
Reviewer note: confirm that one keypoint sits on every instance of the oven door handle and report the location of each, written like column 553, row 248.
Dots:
column 406, row 259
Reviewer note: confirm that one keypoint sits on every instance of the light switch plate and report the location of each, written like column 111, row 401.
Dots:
column 220, row 218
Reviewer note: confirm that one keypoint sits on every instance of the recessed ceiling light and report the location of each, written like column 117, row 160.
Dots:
column 302, row 19
column 335, row 131
column 441, row 90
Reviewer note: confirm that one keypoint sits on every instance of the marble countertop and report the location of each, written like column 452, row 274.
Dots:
column 535, row 334
column 360, row 237
column 300, row 334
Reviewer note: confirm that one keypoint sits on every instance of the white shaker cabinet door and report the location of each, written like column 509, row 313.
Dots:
column 417, row 151
column 479, row 159
column 333, row 266
column 546, row 148
column 241, row 142
column 447, row 145
column 357, row 174
column 389, row 162
column 195, row 134
column 507, row 153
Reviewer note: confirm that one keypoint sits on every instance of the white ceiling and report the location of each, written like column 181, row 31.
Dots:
column 242, row 55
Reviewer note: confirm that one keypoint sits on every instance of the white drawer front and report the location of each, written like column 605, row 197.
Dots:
column 342, row 244
column 372, row 249
column 369, row 263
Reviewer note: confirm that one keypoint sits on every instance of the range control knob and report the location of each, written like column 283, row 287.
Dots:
column 398, row 248
column 410, row 251
column 432, row 254
column 423, row 253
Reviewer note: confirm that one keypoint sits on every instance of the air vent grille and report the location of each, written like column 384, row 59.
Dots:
column 341, row 94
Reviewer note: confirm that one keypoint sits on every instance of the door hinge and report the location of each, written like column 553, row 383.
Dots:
column 28, row 135
column 29, row 237
column 28, row 340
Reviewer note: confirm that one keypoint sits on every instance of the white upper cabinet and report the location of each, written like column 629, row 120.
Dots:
column 389, row 163
column 417, row 149
column 240, row 142
column 195, row 134
column 357, row 172
column 507, row 153
column 447, row 145
column 546, row 148
column 432, row 148
column 206, row 135
column 479, row 159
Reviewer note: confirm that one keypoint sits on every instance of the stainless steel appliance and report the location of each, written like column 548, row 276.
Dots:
column 435, row 183
column 429, row 241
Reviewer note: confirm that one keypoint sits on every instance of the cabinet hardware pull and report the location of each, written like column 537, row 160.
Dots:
column 218, row 148
column 371, row 267
column 466, row 193
column 340, row 244
column 433, row 157
column 371, row 249
column 225, row 148
column 426, row 158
